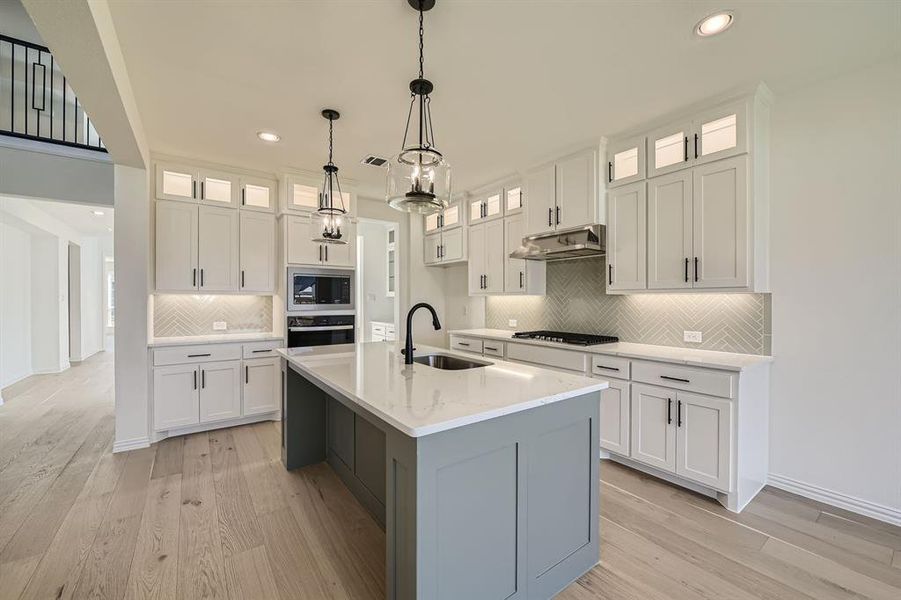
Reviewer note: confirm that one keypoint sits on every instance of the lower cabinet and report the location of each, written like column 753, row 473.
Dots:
column 262, row 380
column 653, row 432
column 176, row 396
column 614, row 424
column 220, row 392
column 360, row 447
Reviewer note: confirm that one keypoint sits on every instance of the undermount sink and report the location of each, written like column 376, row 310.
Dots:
column 449, row 363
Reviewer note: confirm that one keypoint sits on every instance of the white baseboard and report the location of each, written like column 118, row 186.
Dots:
column 850, row 503
column 132, row 444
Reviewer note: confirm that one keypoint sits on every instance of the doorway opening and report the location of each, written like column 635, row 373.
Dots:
column 378, row 247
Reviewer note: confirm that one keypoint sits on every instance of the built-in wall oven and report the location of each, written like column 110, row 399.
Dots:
column 320, row 330
column 311, row 289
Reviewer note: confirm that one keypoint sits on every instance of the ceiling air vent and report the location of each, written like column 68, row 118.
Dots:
column 374, row 161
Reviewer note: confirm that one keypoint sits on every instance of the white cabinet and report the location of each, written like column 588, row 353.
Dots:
column 653, row 431
column 449, row 218
column 218, row 188
column 300, row 194
column 176, row 396
column 625, row 160
column 220, row 391
column 540, row 199
column 670, row 231
column 704, row 439
column 513, row 199
column 521, row 276
column 262, row 385
column 217, row 249
column 486, row 258
column 486, row 205
column 614, row 425
column 445, row 247
column 176, row 246
column 564, row 194
column 670, row 147
column 257, row 253
column 195, row 184
column 627, row 237
column 176, row 182
column 380, row 331
column 258, row 194
column 302, row 250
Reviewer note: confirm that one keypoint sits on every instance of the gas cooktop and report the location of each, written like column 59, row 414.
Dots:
column 563, row 337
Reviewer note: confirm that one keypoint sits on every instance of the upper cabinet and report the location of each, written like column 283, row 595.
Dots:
column 299, row 233
column 257, row 235
column 626, row 160
column 258, row 194
column 449, row 218
column 194, row 184
column 563, row 194
column 175, row 182
column 626, row 237
column 520, row 276
column 300, row 194
column 486, row 205
column 513, row 199
column 445, row 247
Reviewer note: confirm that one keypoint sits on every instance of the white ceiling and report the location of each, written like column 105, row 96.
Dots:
column 515, row 82
column 79, row 217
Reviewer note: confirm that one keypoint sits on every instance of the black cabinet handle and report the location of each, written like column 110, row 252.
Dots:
column 193, row 189
column 195, row 379
column 246, row 374
column 202, row 190
column 679, row 379
column 550, row 216
column 326, row 253
column 606, row 367
column 610, row 172
column 490, row 348
column 438, row 251
column 686, row 269
column 194, row 278
column 696, row 268
column 696, row 145
column 242, row 277
column 521, row 275
column 242, row 196
column 558, row 215
column 198, row 355
column 201, row 277
column 610, row 274
column 202, row 379
column 679, row 414
column 686, row 148
column 669, row 411
column 463, row 344
column 258, row 351
column 320, row 252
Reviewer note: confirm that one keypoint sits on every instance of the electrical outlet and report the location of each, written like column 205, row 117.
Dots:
column 220, row 325
column 692, row 336
column 511, row 322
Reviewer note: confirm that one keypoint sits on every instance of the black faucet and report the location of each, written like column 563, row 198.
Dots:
column 408, row 347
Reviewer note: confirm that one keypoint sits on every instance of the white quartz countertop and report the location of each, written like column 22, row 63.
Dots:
column 686, row 356
column 222, row 338
column 420, row 400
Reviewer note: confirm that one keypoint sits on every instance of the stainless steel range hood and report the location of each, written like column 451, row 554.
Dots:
column 565, row 244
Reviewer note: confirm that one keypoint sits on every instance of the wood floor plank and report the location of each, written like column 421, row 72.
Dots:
column 877, row 535
column 14, row 576
column 238, row 527
column 896, row 562
column 169, row 457
column 255, row 464
column 154, row 568
column 250, row 576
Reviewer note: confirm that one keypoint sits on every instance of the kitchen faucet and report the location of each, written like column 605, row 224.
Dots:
column 408, row 347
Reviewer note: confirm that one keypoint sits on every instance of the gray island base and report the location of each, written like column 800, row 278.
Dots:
column 502, row 508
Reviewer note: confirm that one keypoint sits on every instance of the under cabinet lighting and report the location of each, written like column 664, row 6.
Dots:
column 715, row 23
column 268, row 136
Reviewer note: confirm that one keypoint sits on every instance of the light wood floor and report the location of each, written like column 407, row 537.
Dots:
column 214, row 515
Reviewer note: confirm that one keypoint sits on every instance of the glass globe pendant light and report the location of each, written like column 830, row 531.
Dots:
column 419, row 177
column 331, row 200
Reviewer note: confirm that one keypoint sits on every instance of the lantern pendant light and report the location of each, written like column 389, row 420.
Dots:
column 331, row 200
column 419, row 177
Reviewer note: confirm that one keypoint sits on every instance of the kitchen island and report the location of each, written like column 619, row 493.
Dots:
column 485, row 478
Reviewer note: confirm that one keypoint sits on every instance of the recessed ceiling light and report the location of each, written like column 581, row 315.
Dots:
column 268, row 136
column 97, row 213
column 716, row 23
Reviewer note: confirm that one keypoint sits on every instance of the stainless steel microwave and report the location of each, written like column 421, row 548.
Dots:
column 320, row 289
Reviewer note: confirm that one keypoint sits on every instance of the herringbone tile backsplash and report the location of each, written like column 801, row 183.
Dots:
column 177, row 315
column 576, row 301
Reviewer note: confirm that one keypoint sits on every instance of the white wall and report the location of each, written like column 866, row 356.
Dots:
column 49, row 304
column 15, row 304
column 92, row 304
column 836, row 279
column 377, row 305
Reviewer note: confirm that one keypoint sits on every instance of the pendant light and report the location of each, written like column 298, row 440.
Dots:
column 419, row 177
column 331, row 200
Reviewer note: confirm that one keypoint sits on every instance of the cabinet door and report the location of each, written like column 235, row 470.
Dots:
column 670, row 231
column 220, row 391
column 262, row 389
column 495, row 257
column 258, row 194
column 369, row 456
column 341, row 432
column 721, row 222
column 342, row 255
column 627, row 237
column 493, row 204
column 704, row 440
column 477, row 260
column 670, row 148
column 302, row 250
column 577, row 190
column 452, row 216
column 625, row 161
column 431, row 249
column 218, row 249
column 432, row 222
column 218, row 188
column 515, row 272
column 513, row 200
column 722, row 132
column 257, row 254
column 175, row 397
column 453, row 245
column 653, row 426
column 176, row 246
column 302, row 195
column 174, row 182
column 540, row 200
column 615, row 423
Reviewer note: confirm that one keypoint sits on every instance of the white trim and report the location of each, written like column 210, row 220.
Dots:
column 132, row 444
column 42, row 147
column 850, row 503
column 269, row 416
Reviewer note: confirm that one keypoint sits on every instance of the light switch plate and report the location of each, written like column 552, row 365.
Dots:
column 220, row 325
column 511, row 323
column 692, row 336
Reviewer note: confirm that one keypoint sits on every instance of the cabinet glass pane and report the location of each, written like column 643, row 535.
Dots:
column 669, row 150
column 177, row 184
column 625, row 164
column 475, row 210
column 451, row 215
column 718, row 135
column 391, row 236
column 514, row 198
column 217, row 190
column 256, row 195
column 493, row 205
column 431, row 222
column 305, row 196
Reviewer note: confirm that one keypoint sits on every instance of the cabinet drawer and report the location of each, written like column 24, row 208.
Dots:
column 196, row 354
column 466, row 344
column 378, row 329
column 611, row 366
column 693, row 379
column 262, row 349
column 552, row 357
column 493, row 348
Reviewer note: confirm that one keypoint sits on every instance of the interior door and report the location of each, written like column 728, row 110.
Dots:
column 220, row 390
column 615, row 423
column 704, row 440
column 477, row 261
column 453, row 245
column 262, row 389
column 495, row 257
column 176, row 246
column 627, row 237
column 721, row 223
column 654, row 426
column 626, row 161
column 670, row 231
column 670, row 148
column 218, row 249
column 175, row 396
column 257, row 254
column 515, row 271
column 540, row 199
column 577, row 194
column 302, row 250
